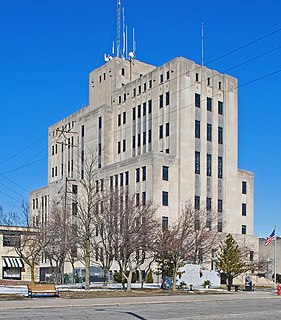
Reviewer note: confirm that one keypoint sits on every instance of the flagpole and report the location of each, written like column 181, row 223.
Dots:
column 275, row 258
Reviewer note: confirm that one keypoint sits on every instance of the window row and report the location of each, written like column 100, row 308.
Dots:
column 138, row 172
column 147, row 108
column 144, row 139
column 167, row 99
column 197, row 204
column 167, row 130
column 209, row 132
column 209, row 103
column 121, row 179
column 123, row 146
column 143, row 199
column 209, row 165
column 208, row 81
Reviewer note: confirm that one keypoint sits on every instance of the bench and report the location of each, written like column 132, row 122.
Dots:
column 235, row 286
column 42, row 290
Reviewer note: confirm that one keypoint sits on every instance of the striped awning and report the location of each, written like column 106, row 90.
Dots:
column 9, row 262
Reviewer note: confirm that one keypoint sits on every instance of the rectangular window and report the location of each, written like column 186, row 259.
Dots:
column 127, row 178
column 161, row 101
column 209, row 132
column 197, row 162
column 134, row 92
column 209, row 81
column 220, row 135
column 167, row 98
column 149, row 136
column 168, row 75
column 124, row 117
column 149, row 106
column 82, row 131
column 197, row 77
column 161, row 78
column 251, row 256
column 197, row 129
column 150, row 84
column 134, row 114
column 116, row 181
column 119, row 146
column 219, row 85
column 137, row 199
column 197, row 203
column 165, row 173
column 125, row 97
column 244, row 187
column 144, row 198
column 220, row 107
column 161, row 132
column 111, row 182
column 209, row 104
column 244, row 209
column 119, row 99
column 139, row 89
column 143, row 173
column 11, row 239
column 100, row 122
column 97, row 185
column 139, row 140
column 144, row 87
column 220, row 164
column 134, row 142
column 119, row 120
column 219, row 205
column 165, row 223
column 208, row 204
column 144, row 109
column 121, row 179
column 165, row 198
column 219, row 226
column 123, row 71
column 197, row 100
column 138, row 175
column 209, row 165
column 167, row 129
column 139, row 111
column 244, row 229
column 144, row 138
column 124, row 145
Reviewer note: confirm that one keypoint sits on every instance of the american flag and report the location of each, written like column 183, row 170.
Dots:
column 270, row 238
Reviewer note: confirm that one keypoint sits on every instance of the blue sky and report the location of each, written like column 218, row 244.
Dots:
column 47, row 49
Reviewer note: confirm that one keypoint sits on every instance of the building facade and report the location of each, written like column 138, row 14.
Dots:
column 167, row 133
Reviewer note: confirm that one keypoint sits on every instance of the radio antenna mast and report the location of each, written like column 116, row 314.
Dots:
column 118, row 54
column 202, row 40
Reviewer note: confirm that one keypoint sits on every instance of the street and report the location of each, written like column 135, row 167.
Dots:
column 241, row 305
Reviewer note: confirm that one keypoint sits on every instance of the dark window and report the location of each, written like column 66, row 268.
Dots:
column 143, row 173
column 165, row 223
column 209, row 132
column 138, row 175
column 124, row 117
column 219, row 85
column 161, row 101
column 119, row 99
column 209, row 165
column 137, row 199
column 219, row 205
column 220, row 107
column 144, row 87
column 134, row 92
column 139, row 89
column 82, row 131
column 121, row 179
column 197, row 77
column 97, row 185
column 167, row 150
column 99, row 149
column 219, row 226
column 251, row 256
column 124, row 97
column 150, row 84
column 161, row 132
column 116, row 181
column 101, row 184
column 11, row 239
column 100, row 122
column 144, row 138
column 111, row 182
column 165, row 198
column 134, row 142
column 134, row 113
column 244, row 187
column 244, row 209
column 197, row 202
column 149, row 136
column 119, row 120
column 144, row 198
column 209, row 104
column 220, row 164
column 123, row 71
column 124, row 145
column 208, row 204
column 209, row 81
column 244, row 229
column 165, row 173
column 139, row 111
column 144, row 109
column 127, row 178
column 197, row 100
column 168, row 75
column 149, row 106
column 119, row 146
column 197, row 129
column 220, row 135
column 197, row 162
column 167, row 129
column 167, row 98
column 139, row 140
column 161, row 78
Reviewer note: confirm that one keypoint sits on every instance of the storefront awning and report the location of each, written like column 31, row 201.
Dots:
column 12, row 262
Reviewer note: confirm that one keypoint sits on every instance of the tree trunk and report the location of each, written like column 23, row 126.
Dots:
column 129, row 280
column 87, row 262
column 175, row 271
column 32, row 272
column 105, row 271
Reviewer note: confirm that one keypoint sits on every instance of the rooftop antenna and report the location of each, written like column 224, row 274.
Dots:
column 118, row 29
column 124, row 34
column 126, row 48
column 202, row 41
column 134, row 43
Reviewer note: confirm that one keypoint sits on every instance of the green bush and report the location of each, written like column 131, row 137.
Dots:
column 118, row 277
column 149, row 277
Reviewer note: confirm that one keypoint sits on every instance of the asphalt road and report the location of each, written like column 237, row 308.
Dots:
column 241, row 305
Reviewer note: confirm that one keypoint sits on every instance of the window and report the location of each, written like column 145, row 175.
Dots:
column 197, row 129
column 220, row 135
column 144, row 109
column 124, row 117
column 150, row 84
column 167, row 98
column 209, row 165
column 209, row 132
column 121, row 179
column 197, row 77
column 209, row 104
column 165, row 173
column 168, row 75
column 197, row 203
column 124, row 145
column 209, row 81
column 134, row 92
column 127, row 178
column 116, row 181
column 244, row 209
column 197, row 100
column 149, row 136
column 144, row 138
column 138, row 175
column 134, row 113
column 134, row 142
column 143, row 173
column 144, row 198
column 167, row 150
column 161, row 101
column 97, row 185
column 161, row 132
column 119, row 120
column 165, row 198
column 119, row 99
column 220, row 164
column 197, row 162
column 220, row 107
column 111, row 182
column 11, row 239
column 165, row 223
column 139, row 140
column 149, row 106
column 219, row 205
column 137, row 199
column 119, row 146
column 219, row 226
column 161, row 78
column 208, row 204
column 82, row 131
column 139, row 111
column 251, row 256
column 219, row 85
column 244, row 229
column 139, row 89
column 123, row 72
column 144, row 87
column 244, row 187
column 125, row 98
column 167, row 129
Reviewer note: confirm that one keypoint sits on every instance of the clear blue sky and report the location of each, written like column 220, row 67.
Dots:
column 47, row 49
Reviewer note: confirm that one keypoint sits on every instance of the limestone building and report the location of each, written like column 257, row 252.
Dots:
column 167, row 133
